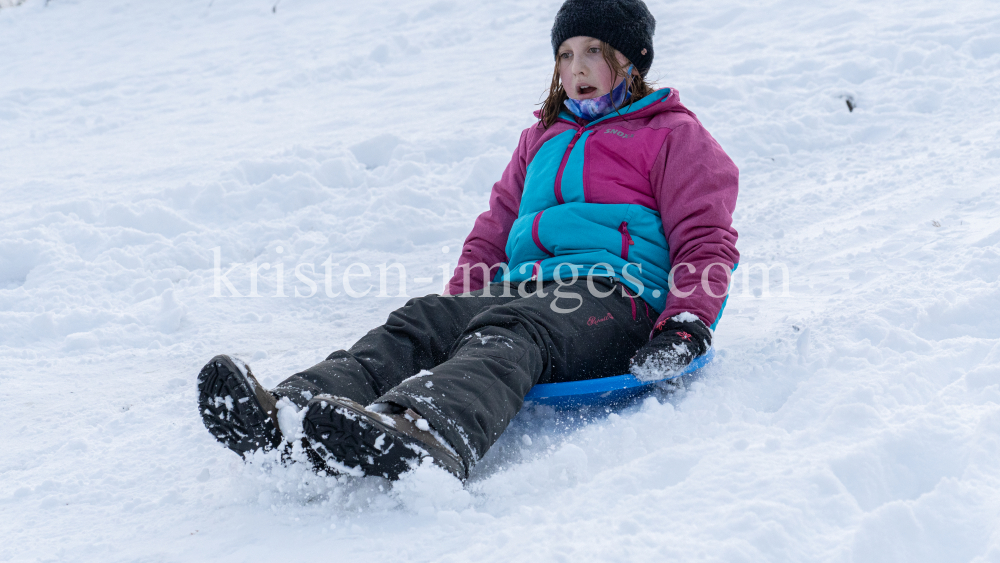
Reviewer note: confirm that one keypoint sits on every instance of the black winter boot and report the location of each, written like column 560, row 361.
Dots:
column 235, row 408
column 351, row 439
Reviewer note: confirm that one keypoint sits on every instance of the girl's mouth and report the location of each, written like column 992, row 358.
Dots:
column 584, row 90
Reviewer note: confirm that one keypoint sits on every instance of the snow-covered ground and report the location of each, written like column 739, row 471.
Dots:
column 855, row 418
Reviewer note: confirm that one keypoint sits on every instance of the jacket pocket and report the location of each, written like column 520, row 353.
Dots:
column 535, row 236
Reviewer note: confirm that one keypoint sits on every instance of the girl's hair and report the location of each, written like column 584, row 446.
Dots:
column 553, row 104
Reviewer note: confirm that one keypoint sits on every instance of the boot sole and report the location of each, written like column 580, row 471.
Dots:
column 230, row 409
column 354, row 442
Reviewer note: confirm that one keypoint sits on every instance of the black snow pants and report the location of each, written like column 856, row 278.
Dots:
column 466, row 362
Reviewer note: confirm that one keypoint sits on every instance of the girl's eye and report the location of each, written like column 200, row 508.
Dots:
column 564, row 55
column 595, row 50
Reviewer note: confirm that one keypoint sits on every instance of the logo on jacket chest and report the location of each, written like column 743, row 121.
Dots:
column 619, row 133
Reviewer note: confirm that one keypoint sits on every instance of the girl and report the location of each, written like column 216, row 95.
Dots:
column 607, row 246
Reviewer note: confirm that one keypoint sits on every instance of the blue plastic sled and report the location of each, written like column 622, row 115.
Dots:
column 603, row 391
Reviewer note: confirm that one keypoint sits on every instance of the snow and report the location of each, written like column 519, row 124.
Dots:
column 290, row 419
column 685, row 317
column 853, row 410
column 419, row 374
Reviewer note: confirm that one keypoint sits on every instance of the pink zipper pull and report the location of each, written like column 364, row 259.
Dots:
column 626, row 239
column 623, row 229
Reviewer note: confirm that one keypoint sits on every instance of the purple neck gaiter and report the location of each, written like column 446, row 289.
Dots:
column 596, row 108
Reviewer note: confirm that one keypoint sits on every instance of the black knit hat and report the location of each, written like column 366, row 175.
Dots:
column 626, row 25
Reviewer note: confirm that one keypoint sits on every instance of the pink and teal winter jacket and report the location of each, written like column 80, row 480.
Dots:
column 647, row 186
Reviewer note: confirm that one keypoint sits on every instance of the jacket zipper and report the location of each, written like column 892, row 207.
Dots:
column 626, row 242
column 557, row 188
column 562, row 165
column 626, row 239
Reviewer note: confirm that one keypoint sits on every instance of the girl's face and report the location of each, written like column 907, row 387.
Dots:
column 582, row 69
